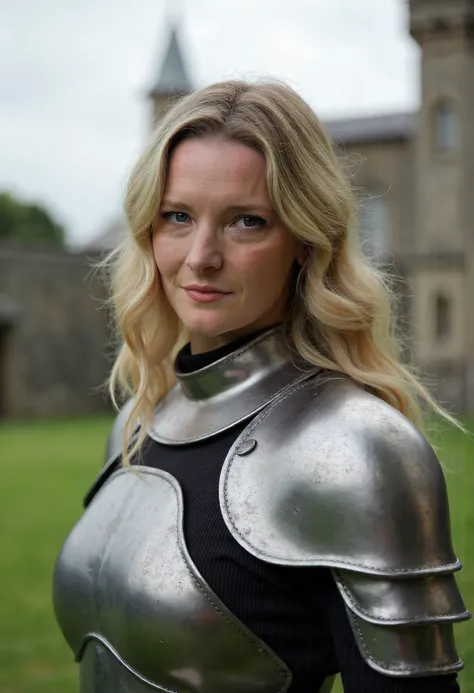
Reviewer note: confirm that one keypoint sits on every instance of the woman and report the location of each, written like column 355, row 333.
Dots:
column 288, row 519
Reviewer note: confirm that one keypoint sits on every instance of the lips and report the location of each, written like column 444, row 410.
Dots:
column 205, row 294
column 205, row 289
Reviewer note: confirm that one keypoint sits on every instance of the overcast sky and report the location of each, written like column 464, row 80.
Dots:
column 74, row 75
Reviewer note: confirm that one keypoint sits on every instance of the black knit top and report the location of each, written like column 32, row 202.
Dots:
column 297, row 612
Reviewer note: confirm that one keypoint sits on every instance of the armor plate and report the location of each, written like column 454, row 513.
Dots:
column 336, row 477
column 134, row 609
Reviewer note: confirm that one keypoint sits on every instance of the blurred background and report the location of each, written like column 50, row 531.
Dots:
column 81, row 85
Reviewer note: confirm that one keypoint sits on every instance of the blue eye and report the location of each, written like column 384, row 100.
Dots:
column 176, row 217
column 252, row 222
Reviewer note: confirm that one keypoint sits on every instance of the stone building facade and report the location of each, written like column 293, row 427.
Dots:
column 53, row 335
column 417, row 174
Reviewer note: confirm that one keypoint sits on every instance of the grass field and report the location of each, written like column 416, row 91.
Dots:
column 47, row 467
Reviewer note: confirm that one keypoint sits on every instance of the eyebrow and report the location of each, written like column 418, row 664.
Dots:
column 176, row 204
column 250, row 206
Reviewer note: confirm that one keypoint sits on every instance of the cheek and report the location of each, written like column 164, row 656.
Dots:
column 266, row 266
column 167, row 256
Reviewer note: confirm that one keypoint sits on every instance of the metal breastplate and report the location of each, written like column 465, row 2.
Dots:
column 135, row 610
column 129, row 600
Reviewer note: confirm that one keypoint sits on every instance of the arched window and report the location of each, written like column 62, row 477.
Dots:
column 447, row 127
column 442, row 317
column 374, row 225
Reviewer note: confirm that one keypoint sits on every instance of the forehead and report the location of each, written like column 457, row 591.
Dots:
column 215, row 165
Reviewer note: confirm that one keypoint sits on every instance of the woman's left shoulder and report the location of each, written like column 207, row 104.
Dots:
column 341, row 471
column 333, row 424
column 329, row 475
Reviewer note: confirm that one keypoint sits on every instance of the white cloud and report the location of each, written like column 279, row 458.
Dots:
column 73, row 79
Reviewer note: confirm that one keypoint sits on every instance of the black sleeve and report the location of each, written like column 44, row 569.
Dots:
column 356, row 674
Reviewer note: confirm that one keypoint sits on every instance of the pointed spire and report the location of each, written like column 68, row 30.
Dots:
column 173, row 77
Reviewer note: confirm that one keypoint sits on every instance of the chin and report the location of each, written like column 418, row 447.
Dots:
column 206, row 325
column 213, row 325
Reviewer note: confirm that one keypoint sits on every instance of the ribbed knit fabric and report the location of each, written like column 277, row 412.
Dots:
column 297, row 612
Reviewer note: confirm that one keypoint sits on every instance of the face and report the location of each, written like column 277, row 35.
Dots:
column 223, row 255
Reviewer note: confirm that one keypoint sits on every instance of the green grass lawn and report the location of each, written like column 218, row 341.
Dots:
column 46, row 468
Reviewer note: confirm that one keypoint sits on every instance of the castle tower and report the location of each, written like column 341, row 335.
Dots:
column 442, row 267
column 173, row 80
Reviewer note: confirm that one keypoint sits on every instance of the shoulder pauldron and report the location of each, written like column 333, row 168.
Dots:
column 330, row 475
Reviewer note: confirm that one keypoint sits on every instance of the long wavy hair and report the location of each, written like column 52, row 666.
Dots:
column 341, row 316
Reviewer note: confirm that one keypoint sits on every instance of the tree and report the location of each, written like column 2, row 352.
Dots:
column 28, row 222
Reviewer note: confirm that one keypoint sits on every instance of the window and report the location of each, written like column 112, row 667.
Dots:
column 374, row 225
column 447, row 126
column 442, row 317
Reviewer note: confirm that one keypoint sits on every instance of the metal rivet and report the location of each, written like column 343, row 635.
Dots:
column 247, row 447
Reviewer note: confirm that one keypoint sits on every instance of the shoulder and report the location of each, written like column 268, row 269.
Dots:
column 114, row 439
column 338, row 417
column 330, row 475
column 341, row 470
column 113, row 450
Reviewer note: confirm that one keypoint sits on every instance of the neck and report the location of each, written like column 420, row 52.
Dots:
column 263, row 354
column 230, row 390
column 187, row 361
column 201, row 344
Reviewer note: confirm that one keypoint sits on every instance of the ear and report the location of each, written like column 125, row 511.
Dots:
column 302, row 253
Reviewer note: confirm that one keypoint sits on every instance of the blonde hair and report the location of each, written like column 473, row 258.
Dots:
column 341, row 314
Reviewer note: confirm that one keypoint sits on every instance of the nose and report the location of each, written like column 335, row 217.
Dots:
column 204, row 253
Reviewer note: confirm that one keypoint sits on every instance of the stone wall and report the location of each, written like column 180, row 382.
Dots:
column 384, row 168
column 53, row 334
